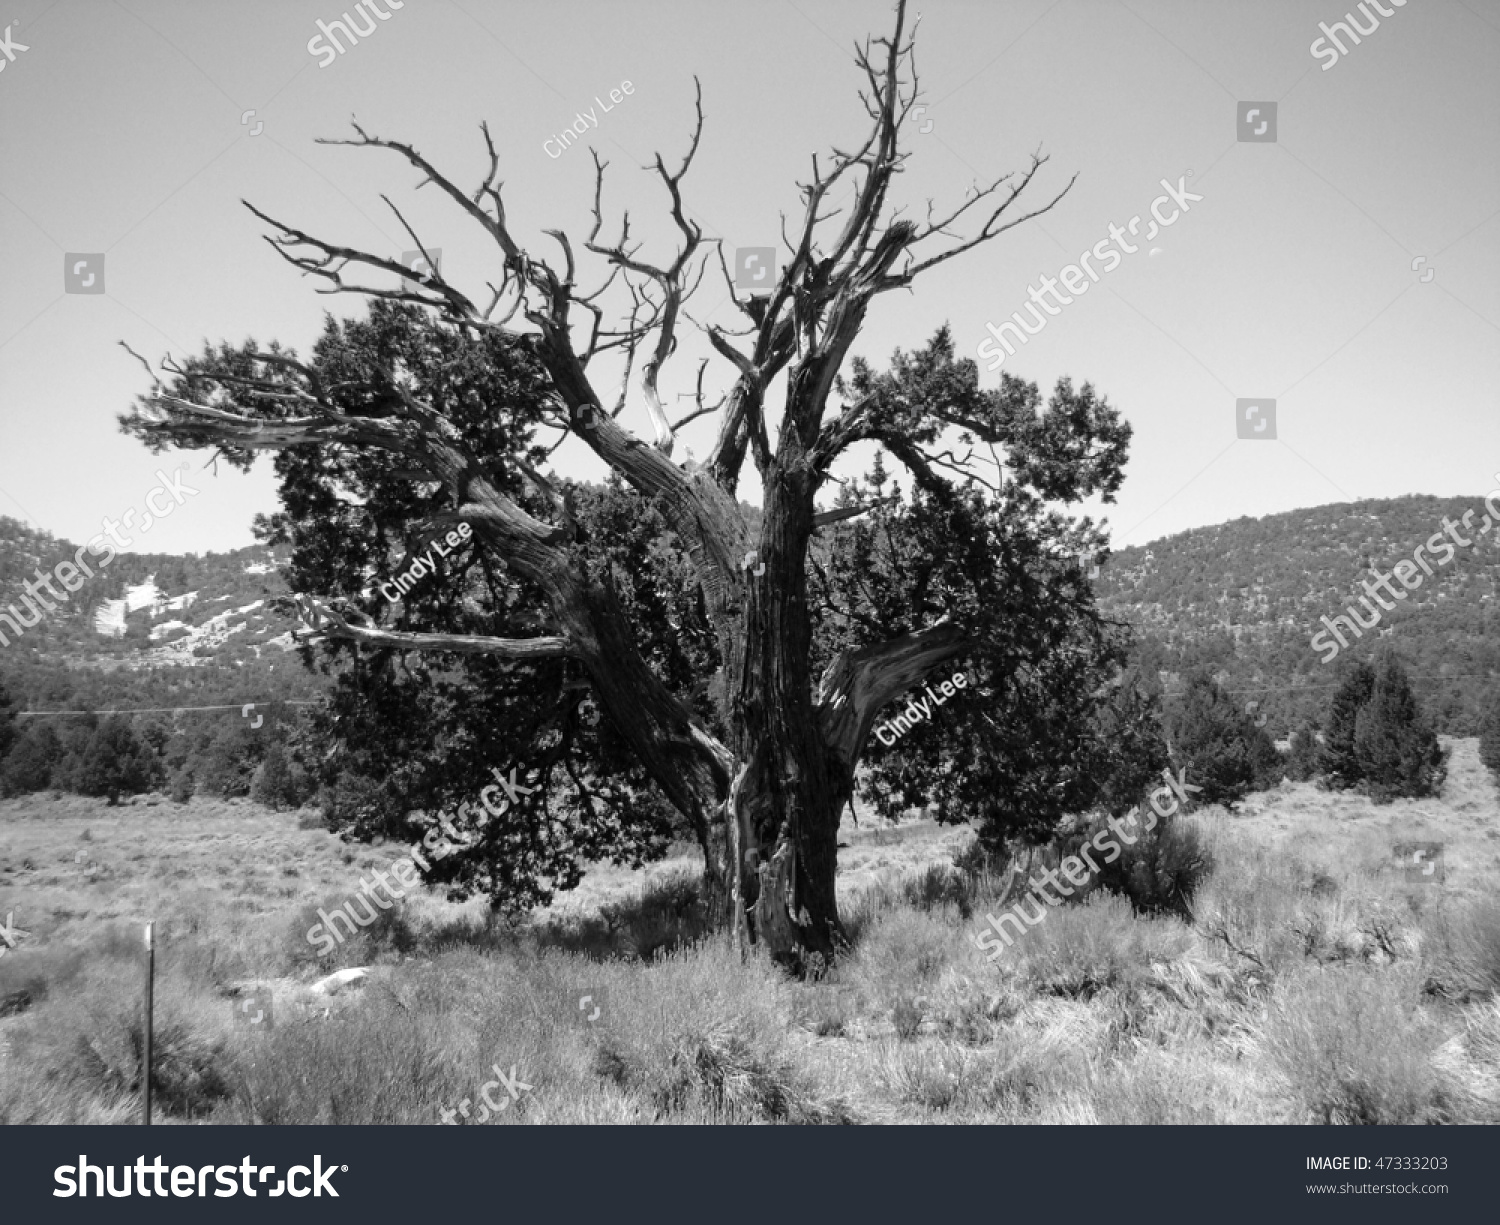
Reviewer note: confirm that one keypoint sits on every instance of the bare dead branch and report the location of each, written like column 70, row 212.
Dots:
column 989, row 230
column 825, row 518
column 334, row 259
column 326, row 622
column 495, row 226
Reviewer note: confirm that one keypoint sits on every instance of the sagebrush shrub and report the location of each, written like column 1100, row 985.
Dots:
column 1158, row 874
column 907, row 1018
column 903, row 951
column 698, row 1034
column 389, row 932
column 932, row 1076
column 1082, row 950
column 28, row 976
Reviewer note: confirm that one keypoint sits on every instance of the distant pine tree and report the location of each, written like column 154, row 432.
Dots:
column 225, row 767
column 1129, row 754
column 181, row 786
column 32, row 759
column 115, row 762
column 1396, row 750
column 1302, row 761
column 273, row 784
column 1337, row 760
column 1218, row 744
column 7, row 722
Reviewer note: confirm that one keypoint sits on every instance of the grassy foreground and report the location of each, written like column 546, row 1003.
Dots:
column 1318, row 983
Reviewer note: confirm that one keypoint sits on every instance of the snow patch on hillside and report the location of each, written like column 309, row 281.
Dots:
column 109, row 619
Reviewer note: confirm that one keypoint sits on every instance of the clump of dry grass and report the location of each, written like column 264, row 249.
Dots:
column 931, row 1076
column 1006, row 1081
column 86, row 1042
column 1354, row 1047
column 1186, row 1085
column 377, row 1064
column 703, row 1035
column 897, row 964
column 1461, row 950
column 825, row 1008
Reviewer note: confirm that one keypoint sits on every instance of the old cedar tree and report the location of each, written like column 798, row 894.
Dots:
column 424, row 416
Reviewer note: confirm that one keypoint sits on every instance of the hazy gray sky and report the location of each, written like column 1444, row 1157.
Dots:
column 1292, row 278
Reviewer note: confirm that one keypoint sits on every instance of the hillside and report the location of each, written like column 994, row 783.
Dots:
column 1246, row 598
column 149, row 629
column 186, row 643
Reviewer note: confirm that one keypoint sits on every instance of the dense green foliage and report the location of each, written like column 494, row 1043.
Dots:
column 1338, row 760
column 1047, row 725
column 1302, row 759
column 126, row 755
column 1376, row 737
column 1218, row 743
column 406, row 737
column 278, row 781
column 7, row 721
column 115, row 763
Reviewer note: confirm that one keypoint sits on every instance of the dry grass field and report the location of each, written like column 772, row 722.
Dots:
column 1318, row 983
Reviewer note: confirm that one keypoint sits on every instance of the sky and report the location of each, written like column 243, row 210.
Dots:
column 1342, row 263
